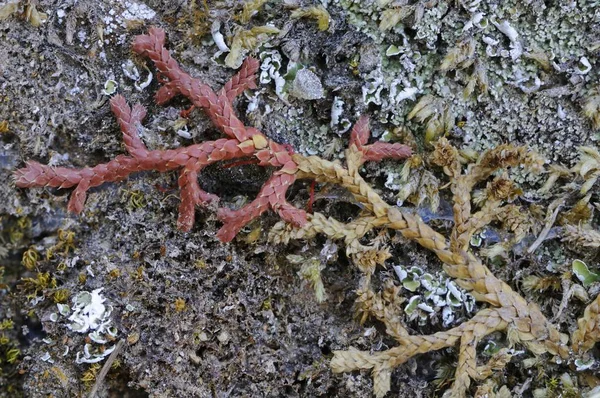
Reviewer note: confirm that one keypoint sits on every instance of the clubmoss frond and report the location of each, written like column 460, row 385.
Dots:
column 580, row 213
column 318, row 13
column 591, row 110
column 310, row 271
column 588, row 328
column 446, row 156
column 393, row 16
column 250, row 8
column 588, row 167
column 477, row 79
column 246, row 40
column 459, row 57
column 536, row 284
column 581, row 236
column 437, row 115
column 554, row 173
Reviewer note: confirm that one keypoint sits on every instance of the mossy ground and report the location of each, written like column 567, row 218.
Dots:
column 205, row 319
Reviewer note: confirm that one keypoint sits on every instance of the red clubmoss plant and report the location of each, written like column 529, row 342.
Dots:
column 242, row 142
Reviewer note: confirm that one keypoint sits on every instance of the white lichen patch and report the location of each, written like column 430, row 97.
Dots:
column 371, row 90
column 401, row 90
column 582, row 364
column 392, row 180
column 47, row 357
column 137, row 11
column 110, row 87
column 63, row 309
column 218, row 38
column 337, row 108
column 583, row 67
column 434, row 296
column 131, row 71
column 93, row 354
column 119, row 15
column 270, row 71
column 90, row 314
column 516, row 49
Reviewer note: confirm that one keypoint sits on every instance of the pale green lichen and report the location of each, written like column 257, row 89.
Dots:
column 518, row 63
column 432, row 296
